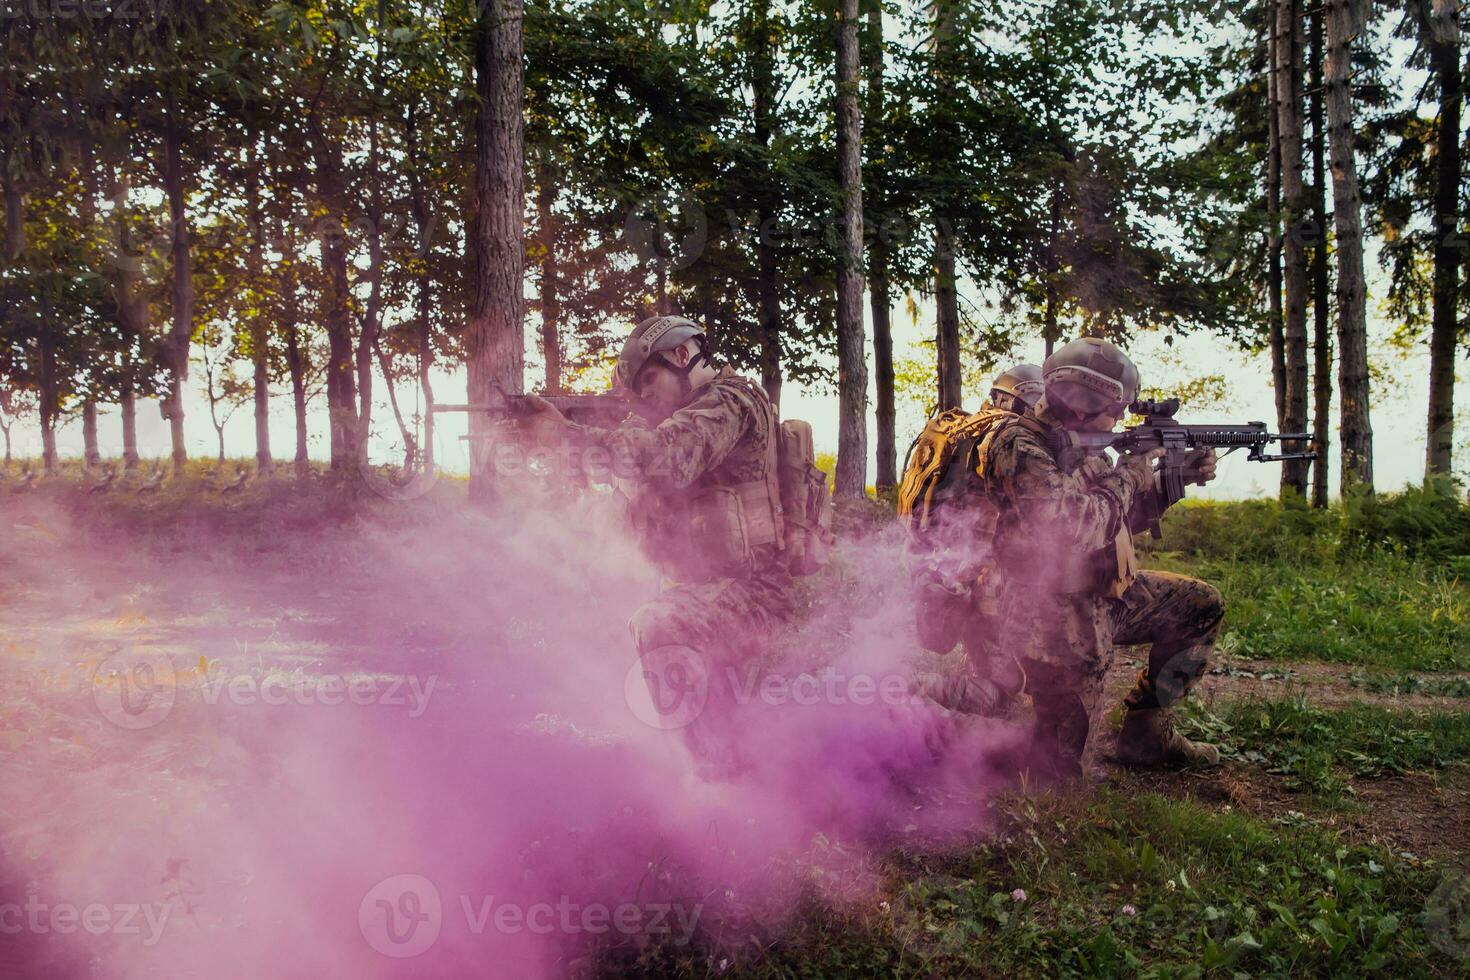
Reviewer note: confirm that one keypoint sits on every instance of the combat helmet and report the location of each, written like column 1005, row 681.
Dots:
column 654, row 336
column 1088, row 375
column 1021, row 382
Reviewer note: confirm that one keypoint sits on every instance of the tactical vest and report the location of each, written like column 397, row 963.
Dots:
column 717, row 527
column 1107, row 571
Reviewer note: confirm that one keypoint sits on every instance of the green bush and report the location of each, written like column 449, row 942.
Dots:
column 1431, row 521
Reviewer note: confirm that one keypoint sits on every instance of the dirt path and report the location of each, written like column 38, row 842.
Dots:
column 1327, row 685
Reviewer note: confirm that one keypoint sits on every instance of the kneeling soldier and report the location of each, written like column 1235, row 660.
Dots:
column 1069, row 584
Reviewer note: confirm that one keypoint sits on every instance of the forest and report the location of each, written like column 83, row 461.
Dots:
column 339, row 705
column 320, row 202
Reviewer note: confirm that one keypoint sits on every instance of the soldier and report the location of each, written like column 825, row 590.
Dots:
column 706, row 439
column 1016, row 390
column 1070, row 587
column 954, row 598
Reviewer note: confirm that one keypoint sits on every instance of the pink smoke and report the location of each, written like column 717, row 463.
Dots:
column 520, row 782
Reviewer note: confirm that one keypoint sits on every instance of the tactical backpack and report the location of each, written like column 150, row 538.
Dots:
column 788, row 508
column 949, row 525
column 929, row 478
column 806, row 504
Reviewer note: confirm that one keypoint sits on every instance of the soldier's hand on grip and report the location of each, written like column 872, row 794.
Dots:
column 1138, row 468
column 545, row 423
column 1200, row 465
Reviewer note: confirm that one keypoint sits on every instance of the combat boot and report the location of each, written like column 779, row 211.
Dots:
column 1148, row 740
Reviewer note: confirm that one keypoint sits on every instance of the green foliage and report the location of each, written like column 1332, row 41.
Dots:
column 1319, row 750
column 1110, row 884
column 1397, row 684
column 1373, row 582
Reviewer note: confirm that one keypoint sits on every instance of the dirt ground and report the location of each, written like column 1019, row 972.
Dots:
column 1425, row 814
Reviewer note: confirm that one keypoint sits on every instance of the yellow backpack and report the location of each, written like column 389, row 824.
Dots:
column 938, row 466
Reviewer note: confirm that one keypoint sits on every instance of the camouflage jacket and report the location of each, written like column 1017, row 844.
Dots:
column 1057, row 531
column 720, row 440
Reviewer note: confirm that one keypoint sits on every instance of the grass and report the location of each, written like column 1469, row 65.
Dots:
column 1396, row 684
column 1115, row 885
column 1303, row 584
column 1320, row 750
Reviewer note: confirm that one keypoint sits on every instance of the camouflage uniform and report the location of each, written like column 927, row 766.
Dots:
column 715, row 616
column 1070, row 587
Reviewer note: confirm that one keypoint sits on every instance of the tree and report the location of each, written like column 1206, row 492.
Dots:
column 1321, row 315
column 495, row 331
column 1344, row 18
column 15, row 404
column 852, row 374
column 1441, row 31
column 875, row 164
column 1294, row 211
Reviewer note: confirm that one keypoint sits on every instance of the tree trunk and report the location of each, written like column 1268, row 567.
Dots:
column 1275, row 338
column 887, row 452
column 128, row 404
column 259, row 325
column 182, row 330
column 15, row 229
column 410, row 444
column 426, row 362
column 1444, row 40
column 763, row 102
column 372, row 317
column 550, row 284
column 1321, row 329
column 495, row 335
column 1344, row 19
column 947, row 316
column 49, row 399
column 880, row 297
column 129, row 312
column 296, row 365
column 90, row 453
column 341, row 385
column 424, row 220
column 1294, row 201
column 1050, row 329
column 852, row 372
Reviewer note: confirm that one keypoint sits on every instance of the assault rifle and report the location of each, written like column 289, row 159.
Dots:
column 606, row 410
column 1158, row 430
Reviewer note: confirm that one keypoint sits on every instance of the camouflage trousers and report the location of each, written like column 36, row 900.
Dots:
column 693, row 641
column 1068, row 655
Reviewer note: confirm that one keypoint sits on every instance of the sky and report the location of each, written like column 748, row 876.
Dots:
column 1398, row 409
